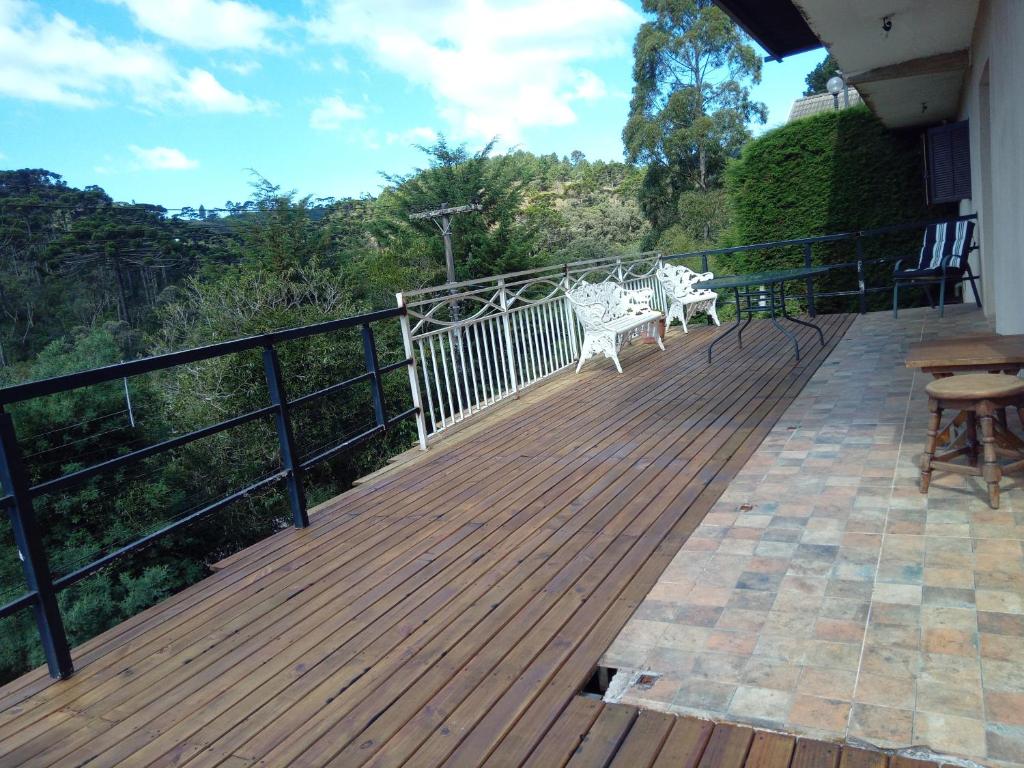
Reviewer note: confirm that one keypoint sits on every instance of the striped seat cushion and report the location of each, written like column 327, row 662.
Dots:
column 946, row 244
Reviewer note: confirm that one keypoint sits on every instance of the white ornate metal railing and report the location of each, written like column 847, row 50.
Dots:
column 480, row 341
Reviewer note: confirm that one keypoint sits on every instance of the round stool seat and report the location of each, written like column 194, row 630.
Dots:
column 976, row 386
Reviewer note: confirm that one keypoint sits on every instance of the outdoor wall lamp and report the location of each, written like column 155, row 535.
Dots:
column 836, row 85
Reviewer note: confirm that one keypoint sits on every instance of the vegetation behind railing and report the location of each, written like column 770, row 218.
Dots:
column 20, row 491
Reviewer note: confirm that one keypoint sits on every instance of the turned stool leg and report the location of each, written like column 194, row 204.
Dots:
column 972, row 439
column 929, row 447
column 991, row 470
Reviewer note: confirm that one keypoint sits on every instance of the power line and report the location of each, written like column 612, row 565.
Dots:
column 72, row 426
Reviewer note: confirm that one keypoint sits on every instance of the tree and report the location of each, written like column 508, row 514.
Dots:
column 818, row 76
column 487, row 242
column 691, row 102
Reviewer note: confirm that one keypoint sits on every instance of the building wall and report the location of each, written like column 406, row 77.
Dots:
column 993, row 101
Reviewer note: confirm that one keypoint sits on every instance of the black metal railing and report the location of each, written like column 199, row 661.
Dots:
column 20, row 493
column 806, row 246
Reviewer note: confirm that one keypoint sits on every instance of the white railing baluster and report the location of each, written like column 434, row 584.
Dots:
column 437, row 379
column 468, row 350
column 489, row 360
column 426, row 387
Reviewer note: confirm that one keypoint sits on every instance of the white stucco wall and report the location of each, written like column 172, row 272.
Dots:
column 997, row 52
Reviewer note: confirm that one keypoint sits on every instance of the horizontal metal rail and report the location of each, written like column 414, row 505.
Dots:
column 72, row 381
column 18, row 501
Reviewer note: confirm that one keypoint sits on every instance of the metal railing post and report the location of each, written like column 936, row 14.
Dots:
column 810, row 281
column 373, row 368
column 861, row 281
column 704, row 262
column 570, row 318
column 285, row 438
column 509, row 353
column 414, row 379
column 33, row 556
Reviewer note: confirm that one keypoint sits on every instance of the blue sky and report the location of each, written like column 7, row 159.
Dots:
column 172, row 101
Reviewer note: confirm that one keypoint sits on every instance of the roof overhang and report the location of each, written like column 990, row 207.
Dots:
column 776, row 25
column 906, row 57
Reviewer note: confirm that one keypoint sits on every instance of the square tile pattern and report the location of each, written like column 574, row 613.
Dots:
column 824, row 595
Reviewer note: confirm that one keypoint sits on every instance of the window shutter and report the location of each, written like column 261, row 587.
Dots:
column 949, row 163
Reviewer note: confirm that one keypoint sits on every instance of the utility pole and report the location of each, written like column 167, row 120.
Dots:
column 442, row 217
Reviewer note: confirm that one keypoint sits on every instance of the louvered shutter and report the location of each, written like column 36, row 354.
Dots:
column 949, row 163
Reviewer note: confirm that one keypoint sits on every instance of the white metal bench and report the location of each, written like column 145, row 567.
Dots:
column 612, row 316
column 684, row 300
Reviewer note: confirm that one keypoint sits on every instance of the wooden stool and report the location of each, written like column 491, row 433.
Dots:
column 982, row 397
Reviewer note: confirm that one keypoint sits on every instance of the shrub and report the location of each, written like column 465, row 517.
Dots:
column 837, row 171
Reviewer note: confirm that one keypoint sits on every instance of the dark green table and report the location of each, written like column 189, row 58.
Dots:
column 771, row 286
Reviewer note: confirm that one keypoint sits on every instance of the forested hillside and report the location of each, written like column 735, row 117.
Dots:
column 87, row 281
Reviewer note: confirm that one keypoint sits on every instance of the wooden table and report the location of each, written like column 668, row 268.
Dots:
column 977, row 352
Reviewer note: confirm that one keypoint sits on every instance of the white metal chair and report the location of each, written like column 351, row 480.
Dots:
column 612, row 316
column 684, row 300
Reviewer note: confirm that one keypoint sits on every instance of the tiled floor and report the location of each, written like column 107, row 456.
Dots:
column 825, row 595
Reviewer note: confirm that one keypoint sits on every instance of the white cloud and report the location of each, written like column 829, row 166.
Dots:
column 243, row 67
column 52, row 59
column 493, row 68
column 331, row 112
column 3, row 156
column 421, row 135
column 206, row 24
column 163, row 158
column 201, row 89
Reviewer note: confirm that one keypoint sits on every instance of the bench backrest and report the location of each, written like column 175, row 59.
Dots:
column 946, row 244
column 676, row 278
column 596, row 303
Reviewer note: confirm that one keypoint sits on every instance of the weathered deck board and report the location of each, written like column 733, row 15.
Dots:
column 448, row 610
column 692, row 742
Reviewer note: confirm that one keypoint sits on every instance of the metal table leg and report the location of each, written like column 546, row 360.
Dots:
column 780, row 326
column 786, row 315
column 731, row 328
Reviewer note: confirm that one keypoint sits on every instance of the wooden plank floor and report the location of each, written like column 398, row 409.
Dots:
column 597, row 735
column 446, row 612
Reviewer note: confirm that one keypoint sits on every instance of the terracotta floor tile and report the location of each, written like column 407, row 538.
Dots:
column 704, row 695
column 827, row 683
column 949, row 734
column 1004, row 742
column 952, row 641
column 882, row 726
column 723, row 641
column 885, row 690
column 761, row 704
column 764, row 672
column 697, row 615
column 822, row 714
column 1004, row 707
column 839, row 630
column 741, row 620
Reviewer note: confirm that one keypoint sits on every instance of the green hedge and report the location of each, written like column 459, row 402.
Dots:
column 833, row 172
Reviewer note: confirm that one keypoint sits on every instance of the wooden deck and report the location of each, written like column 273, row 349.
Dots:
column 449, row 610
column 590, row 733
